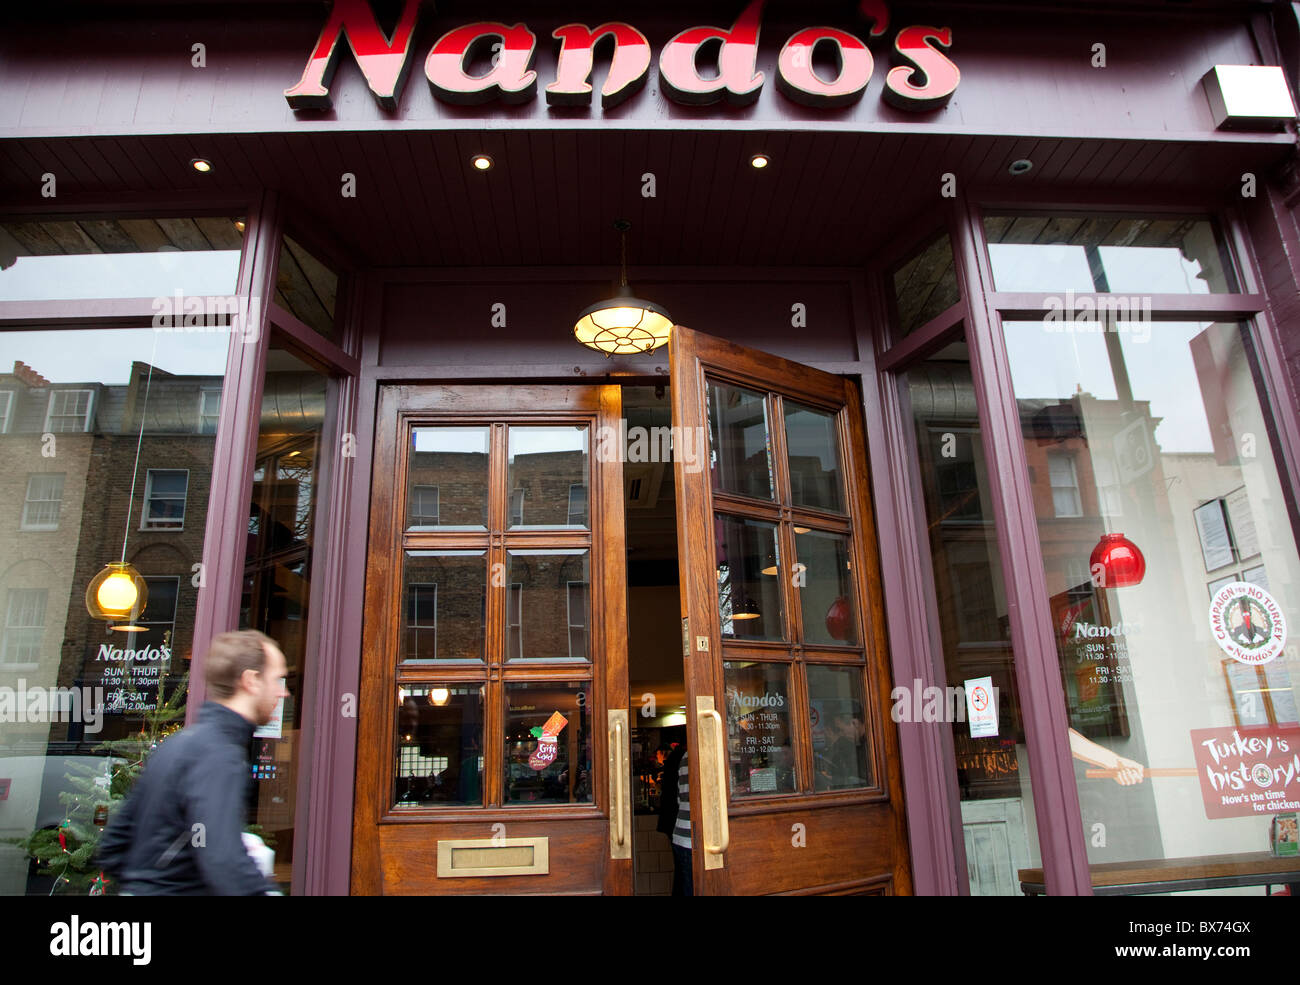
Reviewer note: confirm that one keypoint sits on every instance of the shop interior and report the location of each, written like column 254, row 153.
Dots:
column 656, row 685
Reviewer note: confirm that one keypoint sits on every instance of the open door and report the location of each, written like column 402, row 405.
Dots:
column 493, row 741
column 793, row 756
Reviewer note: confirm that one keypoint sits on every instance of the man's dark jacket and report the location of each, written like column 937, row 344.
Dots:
column 199, row 776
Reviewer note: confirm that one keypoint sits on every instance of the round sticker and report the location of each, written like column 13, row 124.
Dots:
column 1247, row 623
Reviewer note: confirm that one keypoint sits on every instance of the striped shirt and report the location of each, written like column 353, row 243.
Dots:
column 682, row 830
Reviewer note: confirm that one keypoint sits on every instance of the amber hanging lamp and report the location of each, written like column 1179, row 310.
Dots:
column 118, row 594
column 624, row 323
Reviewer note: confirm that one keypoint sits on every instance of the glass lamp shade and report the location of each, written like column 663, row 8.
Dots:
column 117, row 594
column 439, row 696
column 748, row 609
column 1122, row 564
column 623, row 324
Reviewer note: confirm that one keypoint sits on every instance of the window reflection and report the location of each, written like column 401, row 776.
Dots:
column 1171, row 448
column 439, row 745
column 277, row 578
column 548, row 476
column 1107, row 253
column 93, row 397
column 119, row 258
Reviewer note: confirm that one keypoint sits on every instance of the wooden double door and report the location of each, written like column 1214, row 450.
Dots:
column 495, row 725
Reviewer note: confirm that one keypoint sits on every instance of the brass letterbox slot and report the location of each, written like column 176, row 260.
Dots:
column 461, row 859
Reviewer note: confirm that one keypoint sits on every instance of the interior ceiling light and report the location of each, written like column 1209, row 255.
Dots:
column 623, row 323
column 201, row 165
column 482, row 162
column 759, row 161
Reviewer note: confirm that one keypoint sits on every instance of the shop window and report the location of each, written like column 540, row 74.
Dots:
column 209, row 411
column 44, row 499
column 447, row 477
column 439, row 745
column 307, row 288
column 164, row 499
column 925, row 285
column 1132, row 256
column 278, row 571
column 548, row 589
column 24, row 626
column 971, row 612
column 548, row 469
column 124, row 390
column 69, row 410
column 1065, row 484
column 443, row 594
column 122, row 258
column 1172, row 654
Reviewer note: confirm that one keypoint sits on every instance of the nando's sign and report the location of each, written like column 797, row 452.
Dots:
column 923, row 79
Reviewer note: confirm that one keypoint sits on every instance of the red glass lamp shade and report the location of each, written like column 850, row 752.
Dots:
column 839, row 619
column 1122, row 564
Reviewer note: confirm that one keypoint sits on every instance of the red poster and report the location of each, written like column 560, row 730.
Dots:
column 1247, row 772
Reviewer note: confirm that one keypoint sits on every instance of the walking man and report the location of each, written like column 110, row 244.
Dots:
column 179, row 832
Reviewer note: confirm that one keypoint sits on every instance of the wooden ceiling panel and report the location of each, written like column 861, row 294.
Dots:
column 828, row 198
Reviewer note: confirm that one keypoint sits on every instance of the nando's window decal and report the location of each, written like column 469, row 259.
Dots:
column 923, row 79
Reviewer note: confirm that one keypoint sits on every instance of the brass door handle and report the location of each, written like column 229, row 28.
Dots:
column 620, row 834
column 720, row 747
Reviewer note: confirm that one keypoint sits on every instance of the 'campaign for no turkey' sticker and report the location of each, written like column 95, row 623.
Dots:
column 1247, row 623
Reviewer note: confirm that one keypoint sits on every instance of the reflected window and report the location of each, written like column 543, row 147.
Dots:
column 164, row 499
column 1065, row 484
column 24, row 625
column 44, row 499
column 69, row 410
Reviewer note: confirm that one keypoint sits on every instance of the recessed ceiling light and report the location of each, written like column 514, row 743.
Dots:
column 1022, row 166
column 240, row 225
column 759, row 161
column 482, row 162
column 201, row 165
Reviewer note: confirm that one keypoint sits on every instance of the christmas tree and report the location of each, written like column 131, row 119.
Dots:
column 67, row 852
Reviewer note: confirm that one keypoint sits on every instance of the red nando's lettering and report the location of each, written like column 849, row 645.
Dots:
column 924, row 79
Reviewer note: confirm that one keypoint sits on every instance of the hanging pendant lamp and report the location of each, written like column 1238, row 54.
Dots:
column 624, row 323
column 1121, row 562
column 118, row 594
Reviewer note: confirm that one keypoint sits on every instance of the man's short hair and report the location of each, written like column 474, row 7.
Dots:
column 229, row 656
